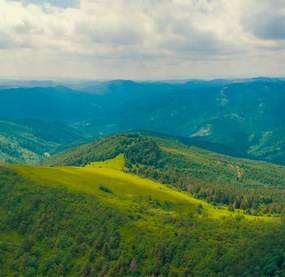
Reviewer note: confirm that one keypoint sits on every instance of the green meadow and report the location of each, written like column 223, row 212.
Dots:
column 108, row 181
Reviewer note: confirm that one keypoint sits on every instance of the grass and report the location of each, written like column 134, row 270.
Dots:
column 122, row 189
column 117, row 163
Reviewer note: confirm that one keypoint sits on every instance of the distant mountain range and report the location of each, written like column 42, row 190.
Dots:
column 243, row 118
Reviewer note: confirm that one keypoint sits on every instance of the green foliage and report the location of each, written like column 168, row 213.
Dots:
column 255, row 187
column 252, row 186
column 99, row 150
column 30, row 141
column 52, row 231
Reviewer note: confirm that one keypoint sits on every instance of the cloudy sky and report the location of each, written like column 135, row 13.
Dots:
column 142, row 39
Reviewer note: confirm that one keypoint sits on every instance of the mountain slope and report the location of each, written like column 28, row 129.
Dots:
column 101, row 221
column 256, row 187
column 29, row 141
column 108, row 181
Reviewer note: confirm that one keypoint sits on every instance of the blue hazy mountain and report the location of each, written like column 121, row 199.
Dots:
column 246, row 117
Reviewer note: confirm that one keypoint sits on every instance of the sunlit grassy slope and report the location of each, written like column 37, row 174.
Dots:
column 98, row 220
column 255, row 187
column 108, row 181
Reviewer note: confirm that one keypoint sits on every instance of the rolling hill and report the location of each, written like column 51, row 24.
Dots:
column 108, row 181
column 100, row 220
column 256, row 187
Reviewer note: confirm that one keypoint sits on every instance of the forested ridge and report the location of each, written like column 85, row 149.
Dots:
column 255, row 187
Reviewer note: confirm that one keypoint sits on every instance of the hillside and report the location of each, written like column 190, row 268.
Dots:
column 30, row 141
column 100, row 221
column 256, row 187
column 244, row 118
column 107, row 181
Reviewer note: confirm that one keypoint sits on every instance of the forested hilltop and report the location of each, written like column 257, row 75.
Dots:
column 255, row 187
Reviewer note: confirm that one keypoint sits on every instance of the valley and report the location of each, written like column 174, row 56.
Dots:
column 239, row 117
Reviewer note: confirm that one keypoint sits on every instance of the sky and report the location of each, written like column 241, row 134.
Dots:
column 142, row 39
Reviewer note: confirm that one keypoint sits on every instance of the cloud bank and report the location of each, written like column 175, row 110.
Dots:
column 142, row 39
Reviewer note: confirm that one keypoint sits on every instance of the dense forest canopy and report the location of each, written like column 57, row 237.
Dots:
column 47, row 230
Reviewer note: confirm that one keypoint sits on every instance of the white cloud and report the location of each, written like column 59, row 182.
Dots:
column 142, row 38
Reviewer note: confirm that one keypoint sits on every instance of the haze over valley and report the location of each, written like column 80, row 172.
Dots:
column 243, row 117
